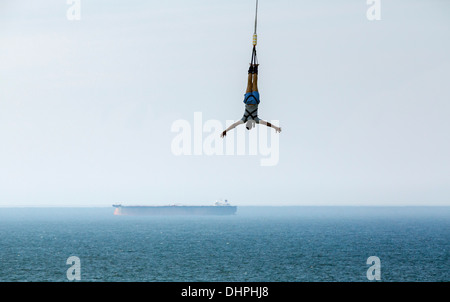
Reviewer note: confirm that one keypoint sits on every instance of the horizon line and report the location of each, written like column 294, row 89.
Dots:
column 280, row 206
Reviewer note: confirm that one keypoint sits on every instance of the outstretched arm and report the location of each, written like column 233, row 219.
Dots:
column 277, row 129
column 231, row 128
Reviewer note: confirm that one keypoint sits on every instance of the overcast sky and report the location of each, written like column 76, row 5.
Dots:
column 86, row 107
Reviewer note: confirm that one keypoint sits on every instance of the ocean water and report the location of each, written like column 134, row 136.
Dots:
column 259, row 244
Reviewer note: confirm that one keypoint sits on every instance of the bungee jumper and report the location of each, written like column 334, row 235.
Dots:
column 251, row 97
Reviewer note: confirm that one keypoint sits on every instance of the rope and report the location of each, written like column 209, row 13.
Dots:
column 255, row 37
column 256, row 16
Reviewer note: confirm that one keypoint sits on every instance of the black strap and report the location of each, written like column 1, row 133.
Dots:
column 254, row 59
column 250, row 114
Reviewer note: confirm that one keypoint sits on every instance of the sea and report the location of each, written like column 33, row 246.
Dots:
column 258, row 244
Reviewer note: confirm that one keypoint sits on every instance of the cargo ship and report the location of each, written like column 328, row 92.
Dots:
column 219, row 208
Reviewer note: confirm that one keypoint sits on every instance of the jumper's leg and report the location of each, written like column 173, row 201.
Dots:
column 249, row 83
column 255, row 82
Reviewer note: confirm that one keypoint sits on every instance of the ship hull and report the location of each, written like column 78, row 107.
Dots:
column 174, row 210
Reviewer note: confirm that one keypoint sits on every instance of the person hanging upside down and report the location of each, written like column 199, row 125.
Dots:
column 251, row 101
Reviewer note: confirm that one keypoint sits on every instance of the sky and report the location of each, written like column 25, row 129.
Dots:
column 87, row 106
